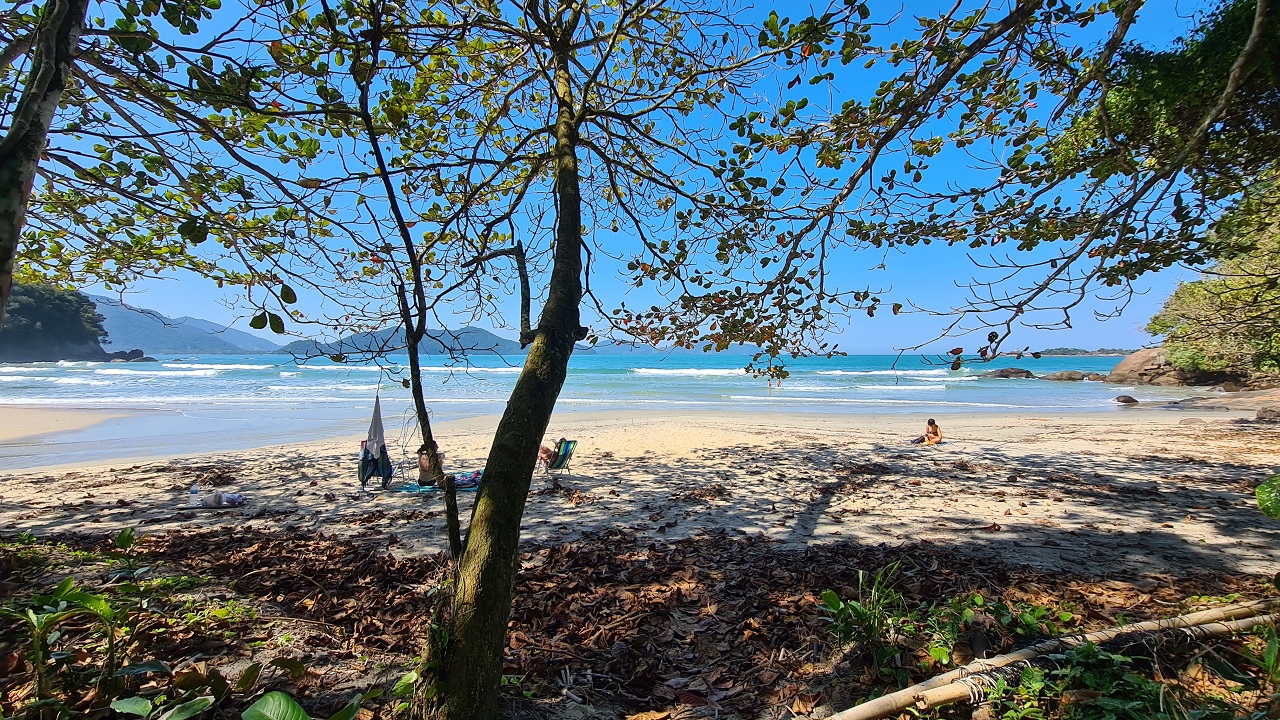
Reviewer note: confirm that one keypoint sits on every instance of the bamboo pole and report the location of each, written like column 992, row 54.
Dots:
column 914, row 695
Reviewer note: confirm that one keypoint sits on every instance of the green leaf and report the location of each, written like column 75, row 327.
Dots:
column 188, row 709
column 259, row 321
column 275, row 705
column 404, row 686
column 125, row 539
column 144, row 668
column 1268, row 494
column 295, row 669
column 349, row 710
column 287, row 295
column 132, row 706
column 248, row 678
column 277, row 323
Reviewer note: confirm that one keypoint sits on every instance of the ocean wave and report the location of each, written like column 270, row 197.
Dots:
column 691, row 372
column 352, row 368
column 290, row 374
column 889, row 373
column 900, row 387
column 23, row 369
column 900, row 401
column 212, row 366
column 359, row 387
column 156, row 373
column 47, row 380
column 632, row 401
column 462, row 369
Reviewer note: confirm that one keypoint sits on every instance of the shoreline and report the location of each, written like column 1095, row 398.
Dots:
column 33, row 423
column 1116, row 491
column 68, row 431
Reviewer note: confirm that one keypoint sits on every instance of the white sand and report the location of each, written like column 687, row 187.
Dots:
column 1095, row 492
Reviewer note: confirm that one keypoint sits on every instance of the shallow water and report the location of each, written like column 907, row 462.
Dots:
column 186, row 405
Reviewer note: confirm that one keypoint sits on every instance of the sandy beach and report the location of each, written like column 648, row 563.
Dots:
column 25, row 423
column 1139, row 489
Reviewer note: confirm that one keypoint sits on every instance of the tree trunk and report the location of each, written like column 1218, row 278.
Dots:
column 429, row 450
column 471, row 673
column 53, row 49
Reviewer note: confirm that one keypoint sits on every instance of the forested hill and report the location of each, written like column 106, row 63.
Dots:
column 45, row 324
column 1079, row 351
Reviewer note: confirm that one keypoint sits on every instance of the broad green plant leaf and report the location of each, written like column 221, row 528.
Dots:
column 275, row 705
column 349, row 710
column 143, row 668
column 1268, row 494
column 125, row 539
column 132, row 706
column 293, row 667
column 404, row 686
column 188, row 709
column 258, row 321
column 248, row 678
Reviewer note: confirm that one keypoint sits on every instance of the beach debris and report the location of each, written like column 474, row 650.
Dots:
column 714, row 491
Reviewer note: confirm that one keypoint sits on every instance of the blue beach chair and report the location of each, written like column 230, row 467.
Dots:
column 563, row 454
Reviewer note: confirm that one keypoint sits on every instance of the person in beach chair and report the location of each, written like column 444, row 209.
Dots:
column 557, row 458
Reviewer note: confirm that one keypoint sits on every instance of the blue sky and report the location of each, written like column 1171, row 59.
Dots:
column 927, row 276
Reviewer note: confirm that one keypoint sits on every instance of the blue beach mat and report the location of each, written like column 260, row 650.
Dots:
column 464, row 482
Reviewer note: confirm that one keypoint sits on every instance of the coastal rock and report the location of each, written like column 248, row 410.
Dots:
column 1096, row 377
column 1009, row 373
column 1126, row 399
column 1271, row 413
column 1064, row 375
column 1190, row 421
column 1152, row 367
column 1227, row 387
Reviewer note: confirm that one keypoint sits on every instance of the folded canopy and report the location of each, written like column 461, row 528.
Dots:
column 374, row 460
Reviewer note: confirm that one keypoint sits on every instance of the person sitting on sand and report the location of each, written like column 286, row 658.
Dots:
column 932, row 434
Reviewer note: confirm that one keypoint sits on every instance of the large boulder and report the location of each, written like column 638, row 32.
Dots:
column 1064, row 375
column 1096, row 377
column 1126, row 400
column 1008, row 373
column 1271, row 413
column 1152, row 367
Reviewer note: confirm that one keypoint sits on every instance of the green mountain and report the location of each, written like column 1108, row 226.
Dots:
column 391, row 341
column 129, row 327
column 45, row 324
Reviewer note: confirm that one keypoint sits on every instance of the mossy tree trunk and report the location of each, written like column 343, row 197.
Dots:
column 52, row 50
column 471, row 671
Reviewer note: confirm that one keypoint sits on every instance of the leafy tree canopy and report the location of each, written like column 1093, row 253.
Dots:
column 1229, row 320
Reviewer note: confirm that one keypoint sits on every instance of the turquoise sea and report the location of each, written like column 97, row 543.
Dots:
column 189, row 404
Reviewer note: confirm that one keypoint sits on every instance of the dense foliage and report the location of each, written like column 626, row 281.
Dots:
column 1229, row 320
column 45, row 316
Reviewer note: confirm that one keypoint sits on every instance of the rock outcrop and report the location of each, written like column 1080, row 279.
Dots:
column 1271, row 413
column 1126, row 400
column 1152, row 367
column 1096, row 377
column 1009, row 373
column 1065, row 376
